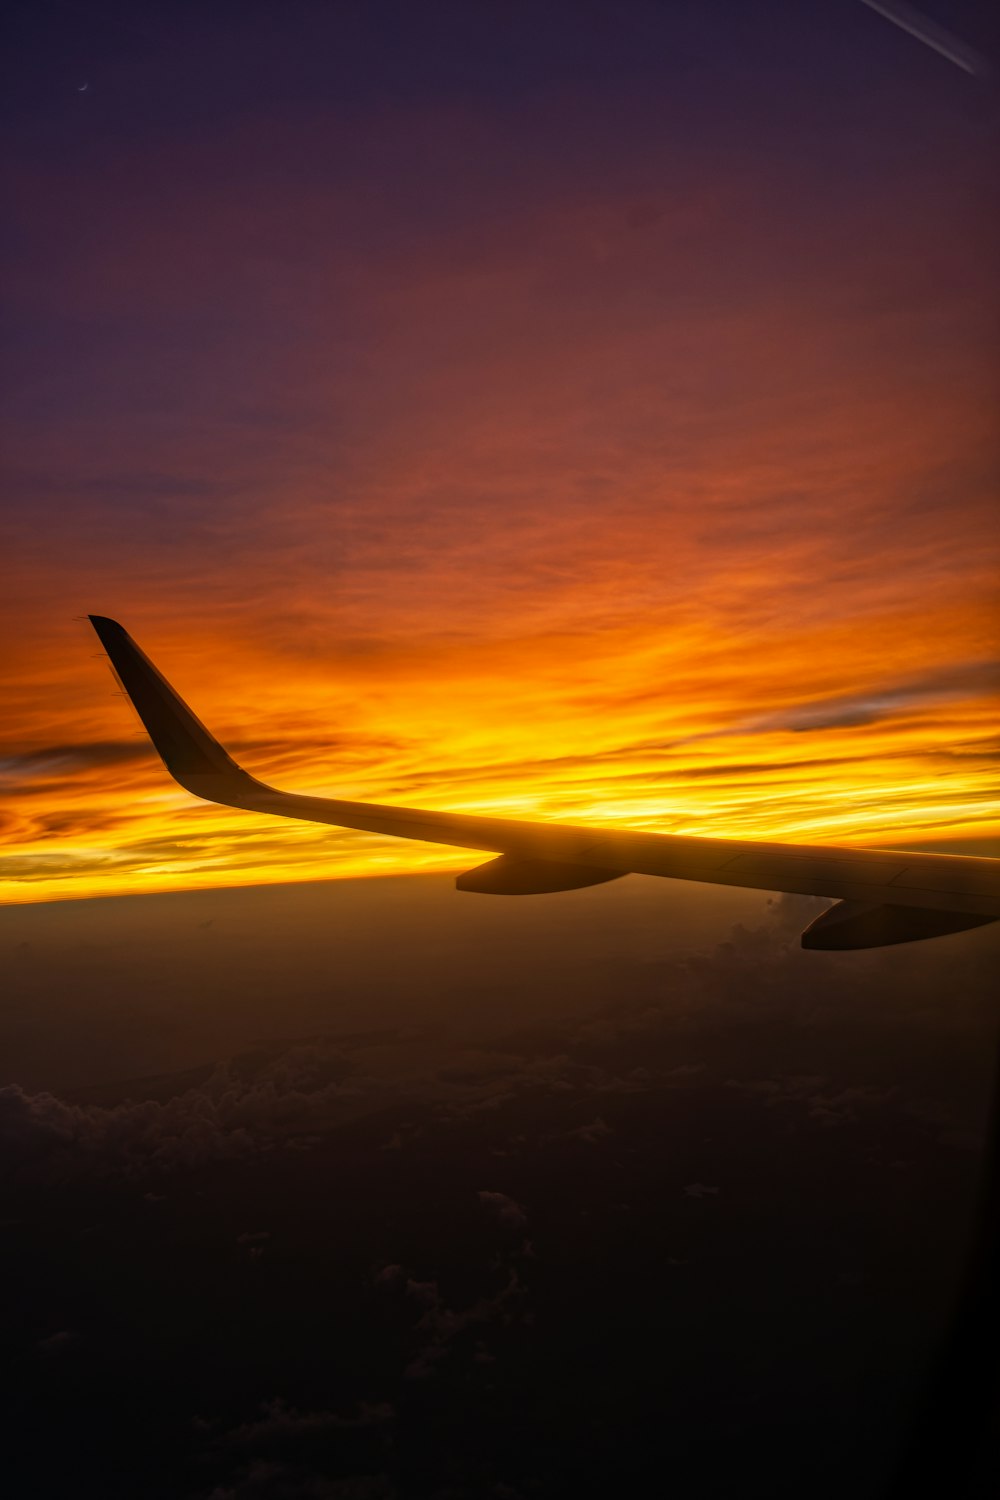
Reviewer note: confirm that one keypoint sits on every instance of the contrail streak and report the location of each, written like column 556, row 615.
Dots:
column 932, row 35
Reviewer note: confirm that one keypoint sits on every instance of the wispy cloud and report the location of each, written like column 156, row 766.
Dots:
column 932, row 35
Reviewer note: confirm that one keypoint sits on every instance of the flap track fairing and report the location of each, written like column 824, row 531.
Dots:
column 859, row 924
column 509, row 876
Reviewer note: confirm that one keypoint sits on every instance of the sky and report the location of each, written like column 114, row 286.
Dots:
column 587, row 413
column 580, row 411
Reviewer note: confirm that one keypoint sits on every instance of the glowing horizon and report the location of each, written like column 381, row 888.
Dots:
column 453, row 451
column 868, row 763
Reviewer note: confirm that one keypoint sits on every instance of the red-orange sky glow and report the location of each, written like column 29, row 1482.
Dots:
column 603, row 445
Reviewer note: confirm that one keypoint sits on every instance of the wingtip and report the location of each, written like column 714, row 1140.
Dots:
column 109, row 632
column 186, row 747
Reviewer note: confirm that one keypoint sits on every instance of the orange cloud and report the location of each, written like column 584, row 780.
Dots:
column 670, row 508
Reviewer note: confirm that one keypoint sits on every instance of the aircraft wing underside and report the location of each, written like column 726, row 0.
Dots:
column 884, row 896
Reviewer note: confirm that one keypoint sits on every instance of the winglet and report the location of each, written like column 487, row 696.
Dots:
column 185, row 746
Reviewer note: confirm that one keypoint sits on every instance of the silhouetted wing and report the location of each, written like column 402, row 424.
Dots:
column 916, row 895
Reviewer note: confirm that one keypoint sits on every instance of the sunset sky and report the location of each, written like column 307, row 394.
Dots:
column 574, row 410
column 580, row 411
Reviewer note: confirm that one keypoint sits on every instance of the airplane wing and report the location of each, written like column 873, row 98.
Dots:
column 883, row 896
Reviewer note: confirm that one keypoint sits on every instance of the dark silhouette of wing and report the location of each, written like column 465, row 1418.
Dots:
column 884, row 896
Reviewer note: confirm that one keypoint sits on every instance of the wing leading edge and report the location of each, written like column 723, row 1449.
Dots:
column 884, row 896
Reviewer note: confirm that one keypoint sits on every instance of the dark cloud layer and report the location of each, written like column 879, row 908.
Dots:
column 724, row 1198
column 56, row 760
column 963, row 680
column 289, row 1095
